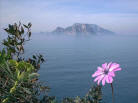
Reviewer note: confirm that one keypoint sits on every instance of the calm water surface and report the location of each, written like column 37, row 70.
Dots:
column 70, row 61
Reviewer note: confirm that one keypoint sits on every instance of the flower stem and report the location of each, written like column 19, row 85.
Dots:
column 112, row 93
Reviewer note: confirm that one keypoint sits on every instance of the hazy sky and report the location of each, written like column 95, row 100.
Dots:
column 120, row 16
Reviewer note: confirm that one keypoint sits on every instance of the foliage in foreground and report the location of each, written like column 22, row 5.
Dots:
column 93, row 96
column 18, row 75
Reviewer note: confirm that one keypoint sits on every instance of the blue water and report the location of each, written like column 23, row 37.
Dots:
column 70, row 61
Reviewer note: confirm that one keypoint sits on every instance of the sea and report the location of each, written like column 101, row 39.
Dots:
column 71, row 60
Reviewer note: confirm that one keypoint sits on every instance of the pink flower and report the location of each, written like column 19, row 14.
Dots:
column 106, row 73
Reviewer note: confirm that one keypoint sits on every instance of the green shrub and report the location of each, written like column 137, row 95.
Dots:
column 19, row 78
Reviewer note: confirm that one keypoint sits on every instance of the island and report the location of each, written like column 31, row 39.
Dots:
column 82, row 29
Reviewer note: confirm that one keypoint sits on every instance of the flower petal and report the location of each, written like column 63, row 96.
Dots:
column 117, row 69
column 104, row 66
column 109, row 79
column 108, row 66
column 100, row 69
column 99, row 80
column 103, row 81
column 97, row 73
column 114, row 66
column 111, row 73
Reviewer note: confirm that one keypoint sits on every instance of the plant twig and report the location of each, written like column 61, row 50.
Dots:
column 112, row 93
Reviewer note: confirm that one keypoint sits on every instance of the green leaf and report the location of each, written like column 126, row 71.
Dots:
column 29, row 25
column 34, row 56
column 25, row 26
column 29, row 34
column 22, row 30
column 33, row 76
column 27, row 90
